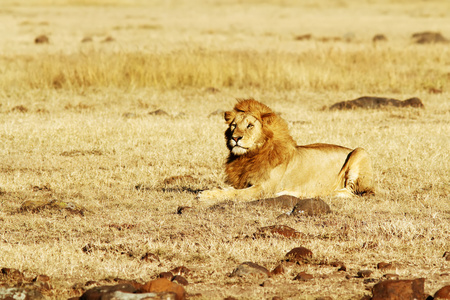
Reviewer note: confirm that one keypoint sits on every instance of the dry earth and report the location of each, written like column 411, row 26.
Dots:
column 110, row 123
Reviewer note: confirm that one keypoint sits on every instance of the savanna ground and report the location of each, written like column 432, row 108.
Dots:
column 74, row 126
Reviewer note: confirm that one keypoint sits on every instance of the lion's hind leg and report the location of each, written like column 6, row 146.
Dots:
column 356, row 176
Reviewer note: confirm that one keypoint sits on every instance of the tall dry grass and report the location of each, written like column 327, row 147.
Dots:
column 323, row 68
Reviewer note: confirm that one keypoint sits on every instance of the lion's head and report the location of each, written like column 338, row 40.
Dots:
column 254, row 132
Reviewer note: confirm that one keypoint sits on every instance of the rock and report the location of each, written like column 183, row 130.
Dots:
column 41, row 39
column 180, row 280
column 303, row 276
column 158, row 112
column 399, row 289
column 310, row 207
column 278, row 270
column 379, row 38
column 377, row 102
column 443, row 293
column 299, row 255
column 278, row 230
column 183, row 210
column 102, row 292
column 364, row 273
column 303, row 37
column 108, row 39
column 39, row 205
column 285, row 201
column 384, row 266
column 19, row 293
column 249, row 268
column 87, row 39
column 428, row 37
column 446, row 255
column 164, row 285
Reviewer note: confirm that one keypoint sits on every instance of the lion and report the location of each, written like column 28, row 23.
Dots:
column 265, row 161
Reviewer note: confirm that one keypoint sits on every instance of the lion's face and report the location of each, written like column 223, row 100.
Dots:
column 244, row 133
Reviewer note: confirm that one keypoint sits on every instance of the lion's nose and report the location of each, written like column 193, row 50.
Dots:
column 237, row 138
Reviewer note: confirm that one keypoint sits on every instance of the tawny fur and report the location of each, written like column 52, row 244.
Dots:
column 264, row 160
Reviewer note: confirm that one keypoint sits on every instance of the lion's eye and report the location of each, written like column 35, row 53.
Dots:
column 250, row 126
column 233, row 126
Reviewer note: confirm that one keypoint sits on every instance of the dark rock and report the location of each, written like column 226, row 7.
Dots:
column 310, row 207
column 102, row 292
column 41, row 39
column 158, row 112
column 303, row 37
column 446, row 255
column 384, row 266
column 379, row 38
column 163, row 285
column 364, row 273
column 299, row 255
column 249, row 268
column 180, row 280
column 278, row 230
column 377, row 102
column 285, row 201
column 399, row 289
column 303, row 276
column 429, row 37
column 443, row 293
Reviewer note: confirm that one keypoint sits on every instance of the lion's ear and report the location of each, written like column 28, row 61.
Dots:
column 229, row 116
column 268, row 118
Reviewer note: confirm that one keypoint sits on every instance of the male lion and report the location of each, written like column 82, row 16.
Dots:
column 264, row 160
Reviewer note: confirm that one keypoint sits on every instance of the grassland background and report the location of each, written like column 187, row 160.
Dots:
column 74, row 122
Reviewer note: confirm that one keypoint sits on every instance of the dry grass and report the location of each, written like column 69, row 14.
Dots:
column 74, row 126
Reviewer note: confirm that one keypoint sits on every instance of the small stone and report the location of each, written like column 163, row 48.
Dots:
column 384, row 266
column 278, row 230
column 299, row 255
column 278, row 270
column 164, row 285
column 303, row 276
column 311, row 207
column 447, row 255
column 443, row 293
column 166, row 275
column 183, row 209
column 399, row 289
column 158, row 112
column 249, row 268
column 364, row 273
column 180, row 280
column 41, row 39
